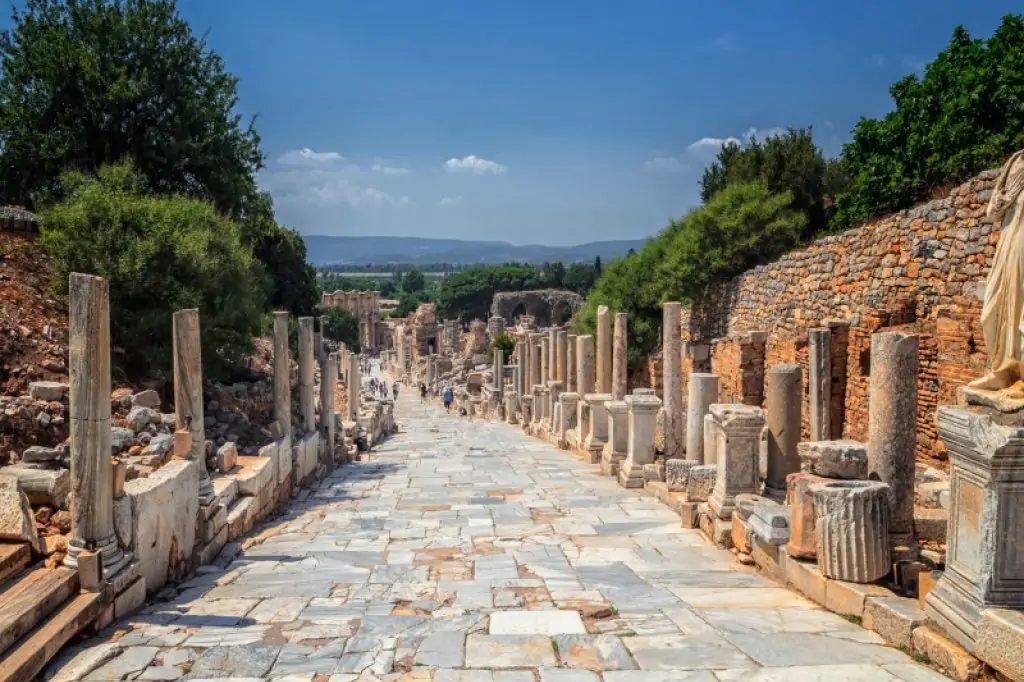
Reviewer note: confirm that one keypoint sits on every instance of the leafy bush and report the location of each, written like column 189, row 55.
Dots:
column 160, row 254
column 505, row 342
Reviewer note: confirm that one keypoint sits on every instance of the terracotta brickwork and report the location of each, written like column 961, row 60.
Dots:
column 920, row 270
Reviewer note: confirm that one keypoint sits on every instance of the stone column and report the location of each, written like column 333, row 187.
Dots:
column 546, row 366
column 353, row 387
column 188, row 392
column 785, row 400
column 819, row 381
column 710, row 444
column 498, row 379
column 560, row 356
column 671, row 368
column 282, row 380
column 552, row 339
column 306, row 375
column 604, row 350
column 92, row 476
column 892, row 430
column 318, row 342
column 620, row 370
column 643, row 408
column 570, row 363
column 851, row 525
column 585, row 364
column 328, row 381
column 739, row 437
column 703, row 393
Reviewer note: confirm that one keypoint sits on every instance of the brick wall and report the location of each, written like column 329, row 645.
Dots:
column 920, row 270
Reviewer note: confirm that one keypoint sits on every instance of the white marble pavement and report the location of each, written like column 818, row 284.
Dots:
column 464, row 551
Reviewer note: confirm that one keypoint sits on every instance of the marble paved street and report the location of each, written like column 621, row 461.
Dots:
column 465, row 551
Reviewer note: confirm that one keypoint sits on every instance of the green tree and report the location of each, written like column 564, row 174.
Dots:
column 467, row 295
column 964, row 115
column 407, row 304
column 90, row 82
column 290, row 280
column 160, row 254
column 341, row 326
column 413, row 281
column 789, row 162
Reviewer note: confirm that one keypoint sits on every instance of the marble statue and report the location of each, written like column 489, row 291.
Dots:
column 1002, row 316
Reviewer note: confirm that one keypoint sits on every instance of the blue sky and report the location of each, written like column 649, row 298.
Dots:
column 554, row 121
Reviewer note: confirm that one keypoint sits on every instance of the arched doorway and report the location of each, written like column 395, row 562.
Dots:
column 561, row 313
column 518, row 312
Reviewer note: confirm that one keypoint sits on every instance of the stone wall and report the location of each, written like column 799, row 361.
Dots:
column 922, row 270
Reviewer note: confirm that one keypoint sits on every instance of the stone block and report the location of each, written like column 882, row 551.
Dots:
column 242, row 516
column 717, row 530
column 950, row 657
column 894, row 619
column 1000, row 641
column 255, row 474
column 210, row 550
column 148, row 398
column 90, row 571
column 807, row 579
column 740, row 534
column 164, row 508
column 688, row 512
column 216, row 520
column 803, row 541
column 745, row 503
column 123, row 521
column 227, row 456
column 770, row 522
column 844, row 459
column 48, row 391
column 931, row 524
column 653, row 472
column 849, row 599
column 225, row 489
column 933, row 494
column 677, row 473
column 16, row 522
column 701, row 482
column 770, row 559
column 130, row 600
column 182, row 444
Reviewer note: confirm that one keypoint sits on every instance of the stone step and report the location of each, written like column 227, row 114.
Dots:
column 242, row 516
column 253, row 474
column 14, row 557
column 31, row 654
column 33, row 597
column 225, row 489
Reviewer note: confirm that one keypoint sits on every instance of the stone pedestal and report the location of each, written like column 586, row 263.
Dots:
column 852, row 528
column 710, row 444
column 785, row 400
column 604, row 350
column 620, row 350
column 738, row 435
column 306, row 375
column 819, row 380
column 188, row 392
column 92, row 477
column 526, row 410
column 617, row 445
column 803, row 541
column 554, row 389
column 597, row 434
column 892, row 431
column 671, row 381
column 538, row 407
column 566, row 415
column 702, row 394
column 642, row 407
column 985, row 552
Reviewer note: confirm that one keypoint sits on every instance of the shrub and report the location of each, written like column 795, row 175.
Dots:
column 342, row 326
column 160, row 254
column 505, row 342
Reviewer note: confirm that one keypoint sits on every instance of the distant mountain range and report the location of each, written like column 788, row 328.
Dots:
column 328, row 250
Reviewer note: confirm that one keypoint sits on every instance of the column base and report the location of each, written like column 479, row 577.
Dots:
column 630, row 475
column 610, row 463
column 112, row 557
column 957, row 612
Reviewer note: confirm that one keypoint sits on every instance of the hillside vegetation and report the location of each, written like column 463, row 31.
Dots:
column 759, row 200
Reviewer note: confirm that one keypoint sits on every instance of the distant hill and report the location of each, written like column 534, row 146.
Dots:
column 327, row 250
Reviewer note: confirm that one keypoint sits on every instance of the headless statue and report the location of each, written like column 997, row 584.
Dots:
column 1002, row 316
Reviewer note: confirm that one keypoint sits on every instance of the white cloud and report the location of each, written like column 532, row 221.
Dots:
column 877, row 60
column 303, row 176
column 714, row 143
column 450, row 201
column 475, row 165
column 664, row 164
column 383, row 169
column 308, row 157
column 764, row 134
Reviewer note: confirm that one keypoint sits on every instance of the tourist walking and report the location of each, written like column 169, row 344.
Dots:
column 423, row 393
column 448, row 398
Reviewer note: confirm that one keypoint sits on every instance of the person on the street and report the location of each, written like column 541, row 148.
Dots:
column 448, row 398
column 423, row 393
column 394, row 389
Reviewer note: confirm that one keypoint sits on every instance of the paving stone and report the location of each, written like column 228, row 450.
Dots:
column 685, row 653
column 253, row 660
column 509, row 651
column 536, row 623
column 593, row 652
